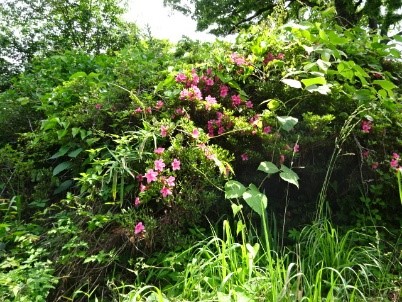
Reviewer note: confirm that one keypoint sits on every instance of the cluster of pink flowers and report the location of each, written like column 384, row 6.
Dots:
column 366, row 126
column 139, row 228
column 220, row 123
column 236, row 100
column 191, row 94
column 238, row 59
column 210, row 101
column 270, row 57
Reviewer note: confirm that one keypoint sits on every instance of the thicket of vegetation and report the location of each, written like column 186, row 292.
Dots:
column 133, row 169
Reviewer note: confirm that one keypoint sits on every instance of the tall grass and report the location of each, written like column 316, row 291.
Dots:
column 240, row 266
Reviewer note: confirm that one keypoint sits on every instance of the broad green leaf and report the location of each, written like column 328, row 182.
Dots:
column 289, row 175
column 322, row 89
column 255, row 199
column 323, row 64
column 75, row 153
column 287, row 122
column 314, row 81
column 268, row 167
column 234, row 189
column 63, row 186
column 62, row 151
column 75, row 131
column 61, row 167
column 273, row 104
column 387, row 85
column 292, row 83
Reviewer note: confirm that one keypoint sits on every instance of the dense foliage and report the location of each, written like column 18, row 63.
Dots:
column 226, row 16
column 118, row 169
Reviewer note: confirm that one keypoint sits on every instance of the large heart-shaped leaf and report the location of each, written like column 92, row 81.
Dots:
column 255, row 199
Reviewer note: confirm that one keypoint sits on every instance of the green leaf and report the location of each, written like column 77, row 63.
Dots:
column 63, row 186
column 289, row 175
column 268, row 167
column 387, row 85
column 234, row 189
column 323, row 64
column 75, row 153
column 62, row 151
column 255, row 199
column 314, row 81
column 287, row 122
column 61, row 167
column 236, row 208
column 322, row 89
column 292, row 83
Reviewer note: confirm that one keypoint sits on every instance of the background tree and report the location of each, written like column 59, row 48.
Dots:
column 29, row 28
column 228, row 16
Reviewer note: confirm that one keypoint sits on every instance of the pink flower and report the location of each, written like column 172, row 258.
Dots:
column 170, row 181
column 143, row 188
column 365, row 153
column 139, row 228
column 296, row 148
column 244, row 157
column 394, row 163
column 280, row 56
column 176, row 164
column 138, row 110
column 238, row 60
column 224, row 90
column 148, row 110
column 395, row 155
column 195, row 77
column 210, row 101
column 179, row 111
column 249, row 104
column 267, row 129
column 165, row 192
column 236, row 100
column 159, row 150
column 281, row 159
column 159, row 105
column 191, row 94
column 366, row 126
column 140, row 177
column 181, row 78
column 209, row 82
column 151, row 175
column 195, row 133
column 137, row 201
column 221, row 130
column 268, row 58
column 374, row 165
column 98, row 106
column 164, row 131
column 159, row 165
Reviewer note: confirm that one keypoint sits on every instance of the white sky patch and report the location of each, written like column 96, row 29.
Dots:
column 163, row 22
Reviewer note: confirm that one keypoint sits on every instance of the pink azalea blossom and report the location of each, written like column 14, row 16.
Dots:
column 209, row 82
column 267, row 129
column 195, row 78
column 98, row 106
column 224, row 90
column 139, row 228
column 179, row 111
column 159, row 105
column 148, row 110
column 394, row 163
column 143, row 188
column 210, row 101
column 249, row 104
column 165, row 192
column 195, row 133
column 280, row 56
column 138, row 110
column 176, row 164
column 191, row 94
column 151, row 175
column 366, row 126
column 137, row 201
column 159, row 165
column 159, row 150
column 170, row 181
column 164, row 131
column 221, row 130
column 395, row 155
column 296, row 148
column 244, row 157
column 365, row 153
column 374, row 165
column 237, row 59
column 268, row 58
column 236, row 100
column 181, row 78
column 140, row 177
